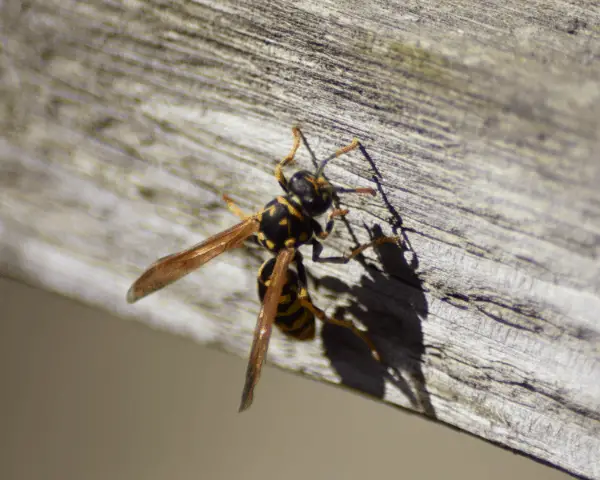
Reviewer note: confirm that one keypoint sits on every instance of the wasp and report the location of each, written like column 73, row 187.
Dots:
column 282, row 226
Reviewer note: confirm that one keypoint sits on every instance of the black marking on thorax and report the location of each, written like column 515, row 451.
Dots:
column 283, row 225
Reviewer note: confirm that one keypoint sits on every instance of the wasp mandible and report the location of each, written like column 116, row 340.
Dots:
column 282, row 226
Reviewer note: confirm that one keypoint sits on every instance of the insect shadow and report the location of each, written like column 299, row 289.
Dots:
column 389, row 301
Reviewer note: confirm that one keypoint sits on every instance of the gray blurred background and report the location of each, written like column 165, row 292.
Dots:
column 89, row 396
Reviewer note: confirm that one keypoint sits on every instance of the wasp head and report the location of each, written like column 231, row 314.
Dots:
column 314, row 192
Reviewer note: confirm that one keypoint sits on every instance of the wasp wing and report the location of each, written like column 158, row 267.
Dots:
column 168, row 269
column 264, row 325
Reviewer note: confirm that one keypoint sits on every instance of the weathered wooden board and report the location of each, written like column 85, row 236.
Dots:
column 124, row 121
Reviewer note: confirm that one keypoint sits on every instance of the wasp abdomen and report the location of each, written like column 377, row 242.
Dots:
column 292, row 317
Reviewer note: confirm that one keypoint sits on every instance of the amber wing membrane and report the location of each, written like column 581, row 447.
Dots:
column 264, row 325
column 168, row 269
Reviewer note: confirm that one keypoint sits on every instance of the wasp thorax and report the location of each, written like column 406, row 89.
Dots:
column 314, row 193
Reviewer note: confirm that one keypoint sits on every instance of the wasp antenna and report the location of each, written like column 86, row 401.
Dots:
column 313, row 157
column 363, row 191
column 351, row 146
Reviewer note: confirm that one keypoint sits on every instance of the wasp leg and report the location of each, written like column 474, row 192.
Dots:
column 287, row 160
column 318, row 248
column 320, row 314
column 233, row 208
column 323, row 234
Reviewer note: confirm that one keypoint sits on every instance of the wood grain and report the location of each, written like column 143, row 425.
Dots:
column 123, row 122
